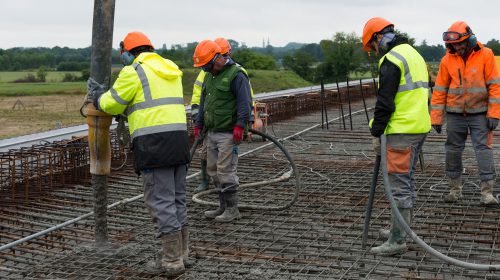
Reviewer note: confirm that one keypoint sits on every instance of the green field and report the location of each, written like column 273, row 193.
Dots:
column 27, row 108
column 52, row 76
column 262, row 81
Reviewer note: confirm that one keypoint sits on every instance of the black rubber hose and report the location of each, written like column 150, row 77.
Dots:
column 263, row 207
column 369, row 206
column 406, row 227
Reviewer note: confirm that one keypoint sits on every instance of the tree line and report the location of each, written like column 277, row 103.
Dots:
column 329, row 60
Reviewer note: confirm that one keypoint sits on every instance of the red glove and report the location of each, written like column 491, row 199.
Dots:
column 196, row 132
column 237, row 134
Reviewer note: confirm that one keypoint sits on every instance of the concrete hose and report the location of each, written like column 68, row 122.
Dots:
column 285, row 176
column 413, row 235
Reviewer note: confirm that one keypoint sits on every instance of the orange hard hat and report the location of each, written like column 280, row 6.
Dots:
column 372, row 26
column 204, row 52
column 135, row 39
column 457, row 32
column 225, row 47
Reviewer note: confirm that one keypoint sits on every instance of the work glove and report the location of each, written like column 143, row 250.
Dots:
column 94, row 91
column 197, row 132
column 437, row 128
column 376, row 145
column 237, row 134
column 492, row 123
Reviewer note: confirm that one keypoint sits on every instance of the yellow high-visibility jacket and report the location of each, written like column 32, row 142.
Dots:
column 149, row 93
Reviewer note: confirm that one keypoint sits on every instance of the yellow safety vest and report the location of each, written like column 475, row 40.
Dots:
column 150, row 93
column 198, row 84
column 411, row 115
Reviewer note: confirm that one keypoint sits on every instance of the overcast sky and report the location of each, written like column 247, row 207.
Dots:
column 49, row 23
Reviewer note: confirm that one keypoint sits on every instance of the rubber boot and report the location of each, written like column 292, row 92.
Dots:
column 384, row 233
column 231, row 213
column 487, row 197
column 455, row 190
column 222, row 207
column 185, row 248
column 204, row 178
column 396, row 243
column 169, row 262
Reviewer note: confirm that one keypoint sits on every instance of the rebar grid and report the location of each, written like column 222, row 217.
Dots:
column 318, row 238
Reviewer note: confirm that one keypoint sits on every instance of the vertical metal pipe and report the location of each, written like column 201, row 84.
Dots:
column 99, row 141
column 349, row 101
column 324, row 102
column 363, row 97
column 340, row 102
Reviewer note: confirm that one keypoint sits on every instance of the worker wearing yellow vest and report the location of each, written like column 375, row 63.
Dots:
column 468, row 90
column 401, row 113
column 195, row 103
column 225, row 113
column 149, row 91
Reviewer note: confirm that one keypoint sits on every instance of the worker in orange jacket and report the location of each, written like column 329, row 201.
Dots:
column 468, row 89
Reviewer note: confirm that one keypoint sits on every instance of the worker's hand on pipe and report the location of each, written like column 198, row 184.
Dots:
column 237, row 134
column 197, row 132
column 94, row 91
column 492, row 123
column 437, row 128
column 376, row 145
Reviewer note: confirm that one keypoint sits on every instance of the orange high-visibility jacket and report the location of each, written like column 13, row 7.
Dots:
column 469, row 87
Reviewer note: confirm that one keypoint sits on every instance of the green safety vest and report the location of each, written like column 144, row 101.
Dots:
column 411, row 115
column 198, row 84
column 220, row 103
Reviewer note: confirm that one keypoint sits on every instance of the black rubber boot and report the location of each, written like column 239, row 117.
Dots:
column 222, row 206
column 231, row 213
column 204, row 178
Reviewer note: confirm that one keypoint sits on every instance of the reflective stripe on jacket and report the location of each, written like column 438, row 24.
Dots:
column 467, row 87
column 150, row 93
column 198, row 84
column 411, row 113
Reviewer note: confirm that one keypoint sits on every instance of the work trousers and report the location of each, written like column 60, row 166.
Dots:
column 165, row 197
column 402, row 157
column 458, row 127
column 222, row 161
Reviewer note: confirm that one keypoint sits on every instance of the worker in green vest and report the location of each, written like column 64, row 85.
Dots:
column 225, row 113
column 195, row 103
column 402, row 114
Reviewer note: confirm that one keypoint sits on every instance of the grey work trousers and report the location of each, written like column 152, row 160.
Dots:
column 458, row 127
column 165, row 197
column 402, row 157
column 222, row 161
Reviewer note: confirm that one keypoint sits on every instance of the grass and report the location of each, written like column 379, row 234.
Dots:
column 37, row 89
column 52, row 76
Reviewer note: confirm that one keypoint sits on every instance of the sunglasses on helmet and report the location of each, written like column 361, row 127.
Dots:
column 453, row 36
column 207, row 67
